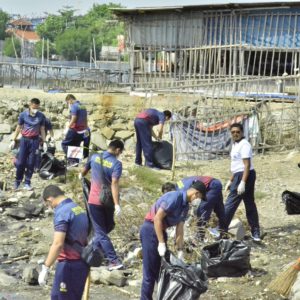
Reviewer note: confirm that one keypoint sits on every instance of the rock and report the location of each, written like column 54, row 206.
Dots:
column 124, row 134
column 130, row 144
column 99, row 140
column 29, row 194
column 107, row 133
column 33, row 209
column 41, row 249
column 237, row 229
column 5, row 129
column 18, row 212
column 4, row 147
column 7, row 280
column 102, row 275
column 30, row 274
column 134, row 255
column 16, row 252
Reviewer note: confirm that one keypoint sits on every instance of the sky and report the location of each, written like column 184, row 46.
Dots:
column 39, row 7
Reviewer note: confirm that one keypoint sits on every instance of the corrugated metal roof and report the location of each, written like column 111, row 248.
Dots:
column 209, row 5
column 20, row 22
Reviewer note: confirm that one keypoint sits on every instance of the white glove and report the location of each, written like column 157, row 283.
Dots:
column 180, row 254
column 12, row 145
column 43, row 276
column 80, row 176
column 117, row 210
column 227, row 186
column 241, row 188
column 45, row 147
column 161, row 249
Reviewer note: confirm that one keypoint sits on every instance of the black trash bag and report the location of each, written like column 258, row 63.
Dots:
column 51, row 166
column 163, row 155
column 178, row 280
column 292, row 202
column 226, row 258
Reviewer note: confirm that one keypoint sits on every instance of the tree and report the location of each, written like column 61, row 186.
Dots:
column 38, row 48
column 54, row 25
column 74, row 44
column 12, row 46
column 3, row 20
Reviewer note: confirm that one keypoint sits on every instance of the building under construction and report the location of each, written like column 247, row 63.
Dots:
column 206, row 42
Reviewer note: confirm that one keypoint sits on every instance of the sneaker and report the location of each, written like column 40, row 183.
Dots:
column 214, row 232
column 115, row 266
column 256, row 237
column 154, row 168
column 28, row 187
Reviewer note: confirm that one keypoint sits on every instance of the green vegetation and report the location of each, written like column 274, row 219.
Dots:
column 148, row 179
column 72, row 37
column 3, row 20
column 12, row 47
column 39, row 49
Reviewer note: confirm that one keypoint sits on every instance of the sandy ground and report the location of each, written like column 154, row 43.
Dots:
column 276, row 172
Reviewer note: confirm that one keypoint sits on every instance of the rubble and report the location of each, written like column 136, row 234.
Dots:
column 26, row 226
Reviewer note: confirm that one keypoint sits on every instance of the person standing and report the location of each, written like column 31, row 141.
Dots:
column 213, row 201
column 171, row 209
column 70, row 226
column 105, row 169
column 31, row 124
column 242, row 182
column 78, row 126
column 143, row 125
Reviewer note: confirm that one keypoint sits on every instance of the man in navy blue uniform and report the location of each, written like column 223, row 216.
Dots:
column 78, row 130
column 143, row 125
column 109, row 170
column 213, row 201
column 70, row 226
column 31, row 124
column 171, row 209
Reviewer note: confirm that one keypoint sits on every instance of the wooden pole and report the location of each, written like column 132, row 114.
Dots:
column 173, row 159
column 43, row 47
column 86, row 292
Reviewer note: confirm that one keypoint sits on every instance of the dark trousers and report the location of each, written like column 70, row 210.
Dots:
column 26, row 159
column 72, row 139
column 143, row 142
column 151, row 259
column 86, row 143
column 102, row 223
column 234, row 200
column 214, row 202
column 69, row 280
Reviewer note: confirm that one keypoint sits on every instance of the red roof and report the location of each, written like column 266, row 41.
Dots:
column 31, row 36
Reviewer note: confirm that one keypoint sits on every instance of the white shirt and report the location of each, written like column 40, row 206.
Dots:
column 240, row 151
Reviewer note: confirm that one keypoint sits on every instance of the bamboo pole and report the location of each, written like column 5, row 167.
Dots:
column 86, row 292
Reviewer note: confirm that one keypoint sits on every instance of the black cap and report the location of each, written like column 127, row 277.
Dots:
column 199, row 186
